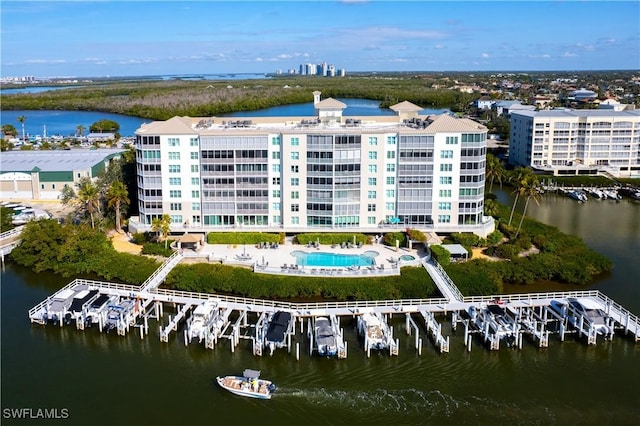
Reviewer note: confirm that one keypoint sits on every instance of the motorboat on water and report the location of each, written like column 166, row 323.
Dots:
column 326, row 342
column 249, row 384
column 578, row 195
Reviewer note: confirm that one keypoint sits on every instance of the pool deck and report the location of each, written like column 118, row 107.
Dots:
column 281, row 261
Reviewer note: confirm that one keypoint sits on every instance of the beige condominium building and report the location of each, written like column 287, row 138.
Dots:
column 326, row 172
column 577, row 142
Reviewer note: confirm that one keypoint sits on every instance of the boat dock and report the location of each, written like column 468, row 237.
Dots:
column 489, row 320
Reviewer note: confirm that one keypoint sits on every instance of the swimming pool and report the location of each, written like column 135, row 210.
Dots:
column 407, row 258
column 334, row 259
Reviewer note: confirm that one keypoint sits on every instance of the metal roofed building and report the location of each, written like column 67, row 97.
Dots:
column 577, row 142
column 41, row 175
column 323, row 173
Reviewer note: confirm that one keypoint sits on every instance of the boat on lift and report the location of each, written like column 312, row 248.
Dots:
column 249, row 384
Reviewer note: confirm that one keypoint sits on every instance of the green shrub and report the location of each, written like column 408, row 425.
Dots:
column 440, row 254
column 244, row 238
column 390, row 238
column 157, row 249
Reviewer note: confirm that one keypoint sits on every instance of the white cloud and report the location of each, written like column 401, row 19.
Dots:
column 485, row 55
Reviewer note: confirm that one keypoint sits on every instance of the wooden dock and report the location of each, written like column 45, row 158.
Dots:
column 530, row 315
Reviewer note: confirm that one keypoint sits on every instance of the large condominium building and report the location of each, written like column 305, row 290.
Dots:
column 577, row 141
column 320, row 173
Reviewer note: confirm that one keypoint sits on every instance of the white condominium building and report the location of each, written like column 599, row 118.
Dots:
column 577, row 141
column 322, row 173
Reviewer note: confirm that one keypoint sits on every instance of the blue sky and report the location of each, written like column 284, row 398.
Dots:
column 126, row 38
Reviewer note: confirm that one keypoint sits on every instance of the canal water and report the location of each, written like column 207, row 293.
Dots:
column 109, row 379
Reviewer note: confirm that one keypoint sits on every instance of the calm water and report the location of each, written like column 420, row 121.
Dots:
column 355, row 107
column 65, row 123
column 103, row 377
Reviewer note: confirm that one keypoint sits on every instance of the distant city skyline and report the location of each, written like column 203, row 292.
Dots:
column 123, row 38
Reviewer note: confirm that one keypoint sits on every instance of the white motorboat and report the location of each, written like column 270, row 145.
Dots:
column 593, row 317
column 374, row 330
column 200, row 321
column 249, row 384
column 325, row 336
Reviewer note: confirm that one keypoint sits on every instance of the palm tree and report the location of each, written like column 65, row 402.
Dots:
column 89, row 197
column 117, row 195
column 162, row 226
column 518, row 179
column 80, row 130
column 495, row 170
column 491, row 207
column 22, row 119
column 531, row 192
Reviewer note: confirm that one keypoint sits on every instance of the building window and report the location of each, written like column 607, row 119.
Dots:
column 452, row 140
column 444, row 206
column 390, row 206
column 371, row 220
column 276, row 206
column 195, row 194
column 295, row 195
column 176, row 207
column 391, row 167
column 373, row 155
column 195, row 181
column 193, row 142
column 275, row 181
column 295, row 207
column 174, row 156
column 174, row 168
column 391, row 193
column 174, row 193
column 373, row 140
column 391, row 180
column 372, row 168
column 371, row 207
column 446, row 180
column 275, row 155
column 295, row 141
column 391, row 140
column 391, row 155
column 42, row 186
column 174, row 142
column 276, row 193
column 295, row 155
column 444, row 218
column 194, row 155
column 372, row 181
column 295, row 169
column 446, row 154
column 275, row 141
column 446, row 167
column 295, row 182
column 445, row 193
column 295, row 220
column 195, row 168
column 174, row 181
column 195, row 206
column 371, row 195
column 275, row 168
column 176, row 218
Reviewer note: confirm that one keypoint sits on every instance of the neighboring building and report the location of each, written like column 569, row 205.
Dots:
column 577, row 141
column 505, row 107
column 41, row 175
column 484, row 102
column 320, row 173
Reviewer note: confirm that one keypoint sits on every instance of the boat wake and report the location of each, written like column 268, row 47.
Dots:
column 416, row 402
